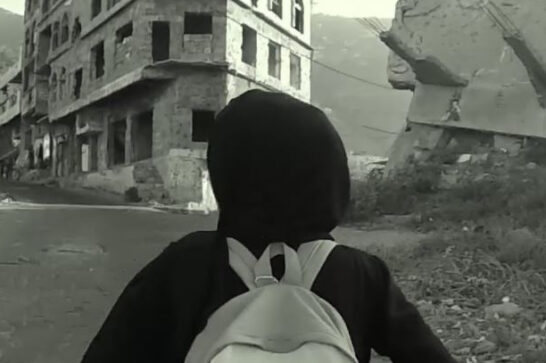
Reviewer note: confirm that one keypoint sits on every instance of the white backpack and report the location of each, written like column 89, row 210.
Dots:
column 275, row 321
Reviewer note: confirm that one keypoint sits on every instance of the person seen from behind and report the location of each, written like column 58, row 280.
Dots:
column 270, row 284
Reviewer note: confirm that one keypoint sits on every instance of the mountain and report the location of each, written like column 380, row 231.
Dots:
column 353, row 105
column 11, row 37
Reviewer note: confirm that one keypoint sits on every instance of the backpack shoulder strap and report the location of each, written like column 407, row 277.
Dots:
column 242, row 261
column 313, row 255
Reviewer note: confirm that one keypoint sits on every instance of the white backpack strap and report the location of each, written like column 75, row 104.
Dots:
column 313, row 255
column 293, row 272
column 242, row 261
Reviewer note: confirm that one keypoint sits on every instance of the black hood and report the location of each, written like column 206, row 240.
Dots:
column 278, row 169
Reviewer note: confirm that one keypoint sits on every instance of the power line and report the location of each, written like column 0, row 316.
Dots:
column 379, row 130
column 331, row 68
column 335, row 70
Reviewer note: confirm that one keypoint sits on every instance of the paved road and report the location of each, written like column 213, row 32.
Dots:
column 62, row 268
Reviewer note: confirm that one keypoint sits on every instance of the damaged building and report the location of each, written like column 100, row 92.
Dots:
column 120, row 94
column 10, row 119
column 477, row 70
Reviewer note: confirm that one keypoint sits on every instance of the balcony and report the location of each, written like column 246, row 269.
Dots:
column 35, row 100
column 10, row 109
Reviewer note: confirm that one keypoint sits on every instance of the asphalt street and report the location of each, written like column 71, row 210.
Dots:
column 64, row 261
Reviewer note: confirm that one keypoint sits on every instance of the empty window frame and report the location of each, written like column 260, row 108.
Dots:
column 97, row 58
column 142, row 135
column 276, row 7
column 118, row 130
column 202, row 122
column 274, row 60
column 78, row 79
column 297, row 15
column 198, row 23
column 96, row 8
column 55, row 35
column 249, row 45
column 161, row 41
column 111, row 3
column 124, row 33
column 76, row 29
column 295, row 71
column 65, row 29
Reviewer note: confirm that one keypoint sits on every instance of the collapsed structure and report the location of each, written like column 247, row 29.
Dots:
column 120, row 94
column 477, row 71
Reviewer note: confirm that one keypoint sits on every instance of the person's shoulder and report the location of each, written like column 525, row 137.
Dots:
column 370, row 266
column 198, row 242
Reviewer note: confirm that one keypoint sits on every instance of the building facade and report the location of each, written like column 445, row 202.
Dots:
column 120, row 94
column 10, row 119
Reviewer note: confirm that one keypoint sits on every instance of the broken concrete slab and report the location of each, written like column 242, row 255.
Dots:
column 505, row 85
column 417, row 141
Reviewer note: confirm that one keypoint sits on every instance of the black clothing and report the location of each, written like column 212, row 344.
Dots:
column 278, row 169
column 168, row 303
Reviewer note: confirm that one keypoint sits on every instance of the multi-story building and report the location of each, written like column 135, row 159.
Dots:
column 121, row 93
column 10, row 118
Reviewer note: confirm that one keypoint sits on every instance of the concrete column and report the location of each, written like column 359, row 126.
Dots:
column 418, row 141
column 129, row 139
column 72, row 150
column 54, row 153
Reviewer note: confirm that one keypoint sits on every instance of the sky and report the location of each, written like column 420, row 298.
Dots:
column 353, row 8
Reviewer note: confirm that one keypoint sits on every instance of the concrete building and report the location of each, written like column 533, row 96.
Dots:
column 477, row 71
column 120, row 94
column 10, row 118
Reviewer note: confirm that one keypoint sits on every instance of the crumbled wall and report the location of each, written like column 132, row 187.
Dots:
column 499, row 96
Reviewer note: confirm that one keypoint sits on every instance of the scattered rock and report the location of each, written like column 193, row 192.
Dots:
column 502, row 310
column 456, row 308
column 485, row 346
column 463, row 351
column 464, row 158
column 472, row 303
column 479, row 158
column 531, row 166
column 448, row 302
column 482, row 177
column 448, row 179
column 6, row 198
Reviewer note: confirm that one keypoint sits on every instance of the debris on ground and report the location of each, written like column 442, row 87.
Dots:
column 5, row 198
column 479, row 278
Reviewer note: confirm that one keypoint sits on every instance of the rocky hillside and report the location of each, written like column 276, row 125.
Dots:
column 11, row 37
column 346, row 45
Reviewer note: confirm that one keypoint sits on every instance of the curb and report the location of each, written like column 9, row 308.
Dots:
column 182, row 210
